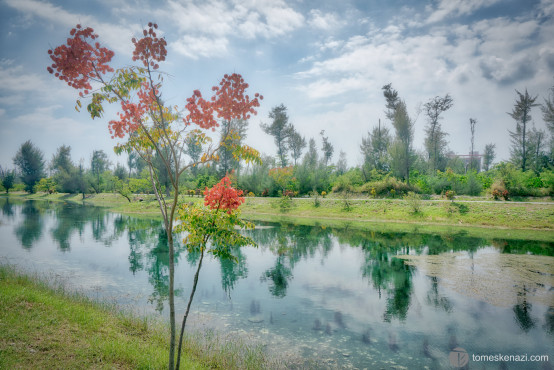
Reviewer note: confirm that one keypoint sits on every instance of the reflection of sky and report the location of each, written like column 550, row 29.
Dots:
column 321, row 285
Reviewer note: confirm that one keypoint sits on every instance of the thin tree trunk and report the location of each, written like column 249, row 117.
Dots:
column 188, row 309
column 171, row 300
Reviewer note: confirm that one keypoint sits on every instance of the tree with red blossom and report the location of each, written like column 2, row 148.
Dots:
column 150, row 128
column 216, row 222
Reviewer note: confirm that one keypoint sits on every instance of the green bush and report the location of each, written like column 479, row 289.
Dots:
column 383, row 187
column 414, row 202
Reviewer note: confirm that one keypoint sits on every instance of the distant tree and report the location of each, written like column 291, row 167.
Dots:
column 401, row 150
column 297, row 143
column 61, row 160
column 193, row 148
column 472, row 123
column 281, row 131
column 391, row 96
column 548, row 117
column 98, row 164
column 488, row 156
column 326, row 147
column 537, row 144
column 30, row 162
column 234, row 133
column 342, row 164
column 374, row 149
column 135, row 163
column 520, row 139
column 435, row 141
column 120, row 172
column 8, row 179
column 548, row 111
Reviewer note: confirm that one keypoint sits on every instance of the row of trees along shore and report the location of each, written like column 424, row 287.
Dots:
column 391, row 165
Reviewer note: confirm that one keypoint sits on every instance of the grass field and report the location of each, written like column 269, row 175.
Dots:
column 44, row 327
column 523, row 220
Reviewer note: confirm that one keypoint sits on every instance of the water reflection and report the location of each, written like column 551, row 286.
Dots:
column 30, row 228
column 299, row 269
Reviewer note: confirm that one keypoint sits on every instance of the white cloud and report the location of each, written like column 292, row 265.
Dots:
column 116, row 36
column 200, row 46
column 326, row 22
column 453, row 8
column 207, row 28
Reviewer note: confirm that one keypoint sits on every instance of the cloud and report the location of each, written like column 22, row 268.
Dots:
column 453, row 8
column 321, row 21
column 200, row 46
column 116, row 36
column 507, row 72
column 214, row 23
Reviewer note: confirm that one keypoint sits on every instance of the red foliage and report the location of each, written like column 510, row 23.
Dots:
column 150, row 48
column 131, row 115
column 223, row 196
column 228, row 102
column 80, row 60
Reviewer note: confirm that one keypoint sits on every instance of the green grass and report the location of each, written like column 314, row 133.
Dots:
column 45, row 327
column 524, row 221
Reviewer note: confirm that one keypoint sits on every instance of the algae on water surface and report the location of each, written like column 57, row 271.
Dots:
column 498, row 279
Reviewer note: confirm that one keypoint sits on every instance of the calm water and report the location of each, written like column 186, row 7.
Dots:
column 334, row 295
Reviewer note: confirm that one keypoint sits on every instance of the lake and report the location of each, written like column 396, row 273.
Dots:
column 334, row 297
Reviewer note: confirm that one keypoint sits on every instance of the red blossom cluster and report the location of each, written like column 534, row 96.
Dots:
column 80, row 59
column 223, row 196
column 228, row 102
column 131, row 115
column 150, row 49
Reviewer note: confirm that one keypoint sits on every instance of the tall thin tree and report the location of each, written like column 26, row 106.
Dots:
column 521, row 113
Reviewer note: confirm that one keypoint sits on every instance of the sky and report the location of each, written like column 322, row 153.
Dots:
column 325, row 60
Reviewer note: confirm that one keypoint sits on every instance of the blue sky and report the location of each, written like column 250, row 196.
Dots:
column 326, row 61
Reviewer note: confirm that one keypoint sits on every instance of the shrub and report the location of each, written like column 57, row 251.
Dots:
column 414, row 201
column 317, row 201
column 383, row 187
column 450, row 194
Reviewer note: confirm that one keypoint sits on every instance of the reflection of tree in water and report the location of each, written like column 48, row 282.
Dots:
column 435, row 299
column 232, row 271
column 278, row 277
column 30, row 229
column 7, row 208
column 72, row 218
column 522, row 312
column 549, row 321
column 290, row 243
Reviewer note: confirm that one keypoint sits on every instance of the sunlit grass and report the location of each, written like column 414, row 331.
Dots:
column 42, row 326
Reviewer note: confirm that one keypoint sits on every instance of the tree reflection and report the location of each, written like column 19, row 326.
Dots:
column 522, row 312
column 7, row 208
column 278, row 277
column 30, row 229
column 435, row 299
column 232, row 271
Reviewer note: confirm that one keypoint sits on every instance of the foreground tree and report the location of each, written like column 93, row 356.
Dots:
column 217, row 223
column 29, row 160
column 150, row 128
column 521, row 113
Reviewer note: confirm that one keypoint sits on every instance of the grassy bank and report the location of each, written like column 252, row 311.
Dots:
column 45, row 327
column 518, row 220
